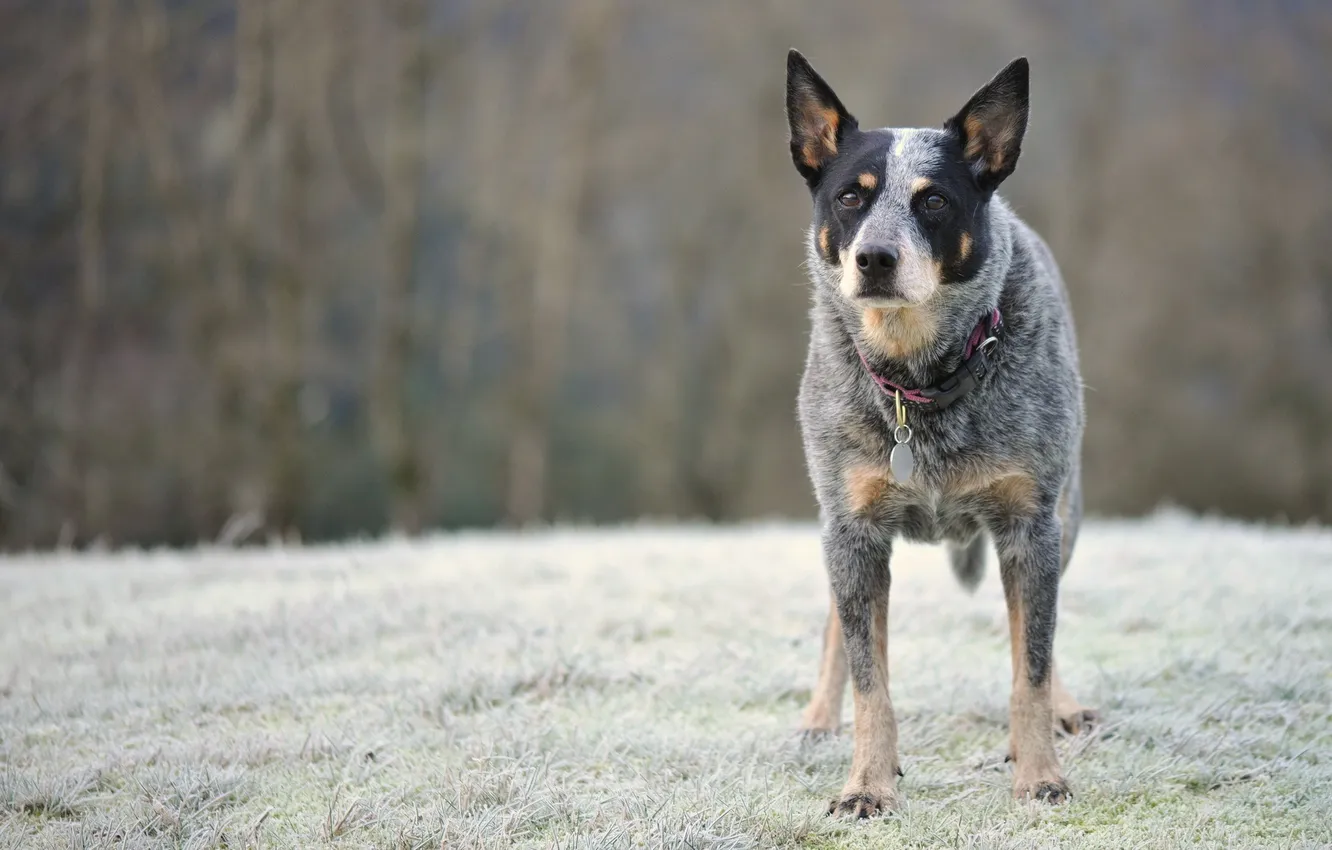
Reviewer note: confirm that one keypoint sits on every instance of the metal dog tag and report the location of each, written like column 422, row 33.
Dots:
column 900, row 460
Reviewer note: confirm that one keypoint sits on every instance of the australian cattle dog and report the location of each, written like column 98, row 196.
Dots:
column 941, row 401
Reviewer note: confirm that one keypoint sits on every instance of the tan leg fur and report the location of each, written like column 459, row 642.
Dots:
column 1036, row 774
column 872, row 786
column 823, row 715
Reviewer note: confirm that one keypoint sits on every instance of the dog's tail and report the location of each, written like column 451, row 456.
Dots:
column 968, row 560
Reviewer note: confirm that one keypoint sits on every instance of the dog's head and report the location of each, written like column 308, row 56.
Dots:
column 900, row 213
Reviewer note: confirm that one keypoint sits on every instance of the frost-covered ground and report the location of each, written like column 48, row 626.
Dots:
column 641, row 687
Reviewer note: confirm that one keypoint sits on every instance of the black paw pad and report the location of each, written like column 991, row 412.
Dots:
column 1053, row 793
column 858, row 806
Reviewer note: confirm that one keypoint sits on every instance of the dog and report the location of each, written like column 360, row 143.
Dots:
column 941, row 401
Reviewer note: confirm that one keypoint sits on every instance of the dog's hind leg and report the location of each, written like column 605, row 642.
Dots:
column 1072, row 715
column 823, row 715
column 968, row 561
column 857, row 553
column 1070, row 517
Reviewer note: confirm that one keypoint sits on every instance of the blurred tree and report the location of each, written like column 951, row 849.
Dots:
column 326, row 267
column 396, row 340
column 233, row 456
column 83, row 484
column 300, row 43
column 568, row 99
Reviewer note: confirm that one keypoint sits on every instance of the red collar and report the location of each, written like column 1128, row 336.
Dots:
column 975, row 366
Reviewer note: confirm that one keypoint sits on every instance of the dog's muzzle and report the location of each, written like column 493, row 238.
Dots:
column 877, row 264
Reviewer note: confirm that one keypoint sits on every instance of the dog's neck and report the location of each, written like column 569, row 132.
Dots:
column 911, row 346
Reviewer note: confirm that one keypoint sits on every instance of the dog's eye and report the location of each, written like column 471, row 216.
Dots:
column 849, row 199
column 935, row 202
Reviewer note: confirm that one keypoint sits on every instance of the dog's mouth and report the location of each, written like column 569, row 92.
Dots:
column 881, row 302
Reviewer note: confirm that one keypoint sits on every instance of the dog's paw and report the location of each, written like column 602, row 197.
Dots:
column 816, row 735
column 1078, row 720
column 819, row 721
column 1053, row 791
column 856, row 805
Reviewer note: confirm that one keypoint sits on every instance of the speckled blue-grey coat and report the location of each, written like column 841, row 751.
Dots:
column 910, row 252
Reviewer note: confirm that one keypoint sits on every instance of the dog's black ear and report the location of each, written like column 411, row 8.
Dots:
column 991, row 125
column 818, row 120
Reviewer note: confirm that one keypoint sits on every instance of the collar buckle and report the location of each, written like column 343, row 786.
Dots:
column 964, row 380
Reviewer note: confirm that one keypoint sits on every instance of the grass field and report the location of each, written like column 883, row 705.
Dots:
column 641, row 687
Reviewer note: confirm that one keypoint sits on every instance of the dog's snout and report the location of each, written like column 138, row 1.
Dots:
column 876, row 261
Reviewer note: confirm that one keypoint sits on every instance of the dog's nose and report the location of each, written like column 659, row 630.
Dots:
column 876, row 261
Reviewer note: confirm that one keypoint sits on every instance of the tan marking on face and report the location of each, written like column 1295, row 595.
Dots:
column 900, row 332
column 821, row 132
column 919, row 185
column 823, row 241
column 917, row 280
column 849, row 281
column 964, row 246
column 866, row 486
column 868, row 180
column 824, row 712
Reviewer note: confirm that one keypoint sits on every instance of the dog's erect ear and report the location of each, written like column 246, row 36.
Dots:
column 818, row 120
column 992, row 123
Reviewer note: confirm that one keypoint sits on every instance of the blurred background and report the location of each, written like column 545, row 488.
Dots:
column 331, row 267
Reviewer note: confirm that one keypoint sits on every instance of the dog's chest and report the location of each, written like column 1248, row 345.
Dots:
column 930, row 516
column 927, row 512
column 950, row 494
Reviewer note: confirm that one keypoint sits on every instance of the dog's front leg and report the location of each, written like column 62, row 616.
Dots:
column 857, row 554
column 1030, row 567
